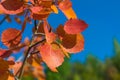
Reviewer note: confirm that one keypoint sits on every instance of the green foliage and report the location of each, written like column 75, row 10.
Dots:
column 92, row 69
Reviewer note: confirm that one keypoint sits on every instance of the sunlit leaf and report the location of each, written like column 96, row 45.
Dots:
column 79, row 45
column 50, row 36
column 10, row 37
column 52, row 55
column 12, row 6
column 66, row 7
column 40, row 13
column 75, row 26
column 54, row 8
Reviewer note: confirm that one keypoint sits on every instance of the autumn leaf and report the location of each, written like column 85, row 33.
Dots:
column 5, row 53
column 16, row 67
column 54, row 8
column 66, row 7
column 39, row 73
column 39, row 13
column 75, row 26
column 4, row 69
column 52, row 55
column 60, row 31
column 74, row 48
column 11, row 37
column 12, row 6
column 69, row 40
column 4, row 65
column 50, row 36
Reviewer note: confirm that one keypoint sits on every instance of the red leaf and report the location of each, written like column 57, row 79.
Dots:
column 66, row 4
column 12, row 6
column 79, row 46
column 5, row 53
column 36, row 9
column 11, row 37
column 52, row 55
column 60, row 31
column 69, row 40
column 75, row 26
column 39, row 13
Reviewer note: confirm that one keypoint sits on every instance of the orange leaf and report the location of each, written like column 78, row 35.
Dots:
column 79, row 46
column 12, row 6
column 75, row 26
column 4, row 65
column 39, row 13
column 50, row 36
column 11, row 37
column 16, row 67
column 54, row 8
column 52, row 55
column 66, row 7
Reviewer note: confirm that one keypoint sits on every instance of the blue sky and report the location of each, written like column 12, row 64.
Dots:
column 103, row 17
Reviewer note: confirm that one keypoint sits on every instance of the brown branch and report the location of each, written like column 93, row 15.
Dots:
column 28, row 51
column 6, row 16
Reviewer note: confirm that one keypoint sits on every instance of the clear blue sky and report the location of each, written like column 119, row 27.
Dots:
column 103, row 17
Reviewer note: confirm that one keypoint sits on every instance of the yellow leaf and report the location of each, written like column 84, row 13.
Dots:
column 1, row 12
column 54, row 8
column 35, row 64
column 69, row 13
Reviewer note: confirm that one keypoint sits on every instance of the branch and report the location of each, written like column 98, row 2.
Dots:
column 6, row 16
column 28, row 51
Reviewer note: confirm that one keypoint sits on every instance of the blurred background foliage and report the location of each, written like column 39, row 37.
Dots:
column 91, row 69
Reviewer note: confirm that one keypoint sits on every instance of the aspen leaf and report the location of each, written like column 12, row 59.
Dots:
column 39, row 13
column 36, row 9
column 11, row 37
column 75, row 26
column 66, row 7
column 54, row 8
column 4, row 65
column 5, row 53
column 79, row 46
column 1, row 12
column 50, row 36
column 12, row 6
column 69, row 40
column 52, row 55
column 60, row 31
column 16, row 67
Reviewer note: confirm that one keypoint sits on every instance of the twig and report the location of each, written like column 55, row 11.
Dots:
column 6, row 16
column 28, row 51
